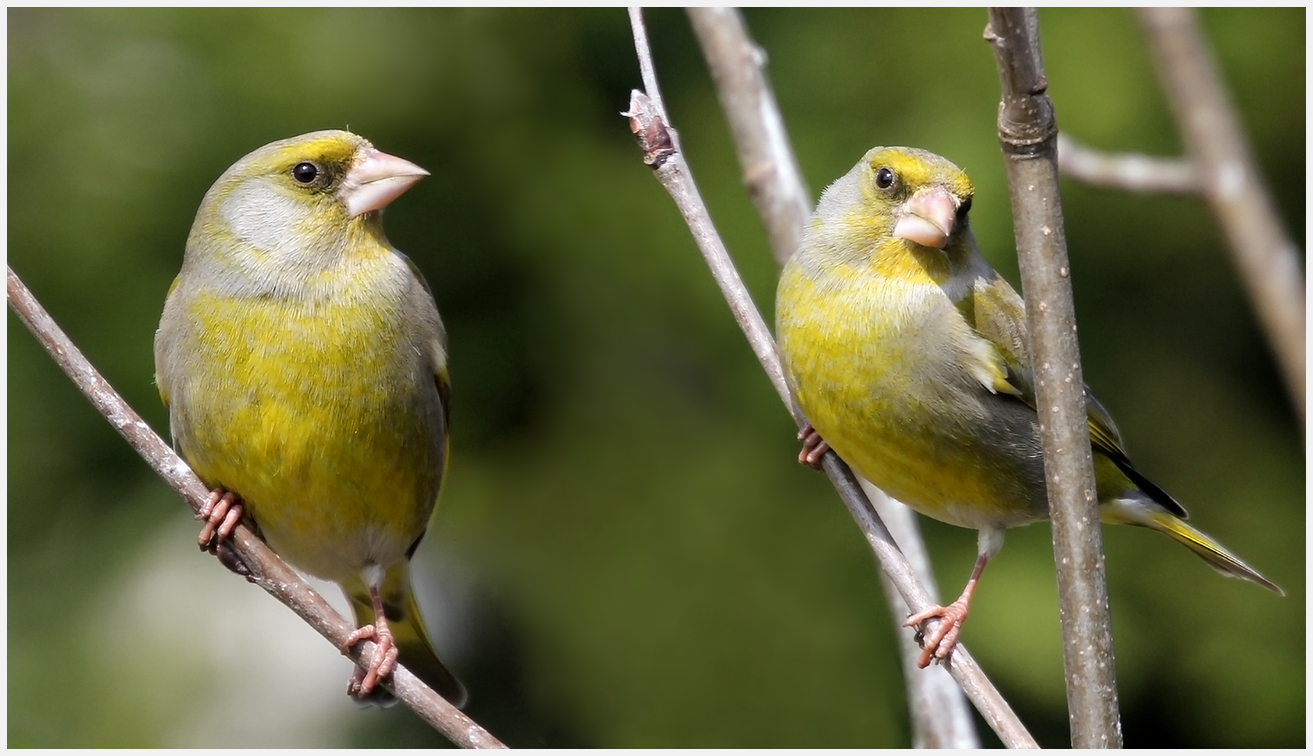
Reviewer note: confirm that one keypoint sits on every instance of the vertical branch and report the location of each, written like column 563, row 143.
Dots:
column 1267, row 259
column 660, row 147
column 1028, row 134
column 940, row 717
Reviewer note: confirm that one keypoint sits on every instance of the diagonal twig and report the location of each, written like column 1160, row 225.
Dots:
column 266, row 569
column 770, row 169
column 1268, row 261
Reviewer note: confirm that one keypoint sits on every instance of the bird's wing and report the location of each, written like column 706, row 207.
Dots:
column 999, row 315
column 437, row 344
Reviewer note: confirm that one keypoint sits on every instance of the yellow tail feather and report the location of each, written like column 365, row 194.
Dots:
column 1217, row 555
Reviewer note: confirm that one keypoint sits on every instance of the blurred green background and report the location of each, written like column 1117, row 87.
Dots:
column 626, row 553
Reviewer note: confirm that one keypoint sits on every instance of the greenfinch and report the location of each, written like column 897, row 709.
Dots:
column 908, row 355
column 304, row 367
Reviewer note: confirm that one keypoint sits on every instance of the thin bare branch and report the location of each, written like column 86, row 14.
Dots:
column 661, row 151
column 770, row 169
column 1266, row 257
column 656, row 138
column 645, row 67
column 1027, row 131
column 940, row 717
column 939, row 713
column 1127, row 171
column 266, row 569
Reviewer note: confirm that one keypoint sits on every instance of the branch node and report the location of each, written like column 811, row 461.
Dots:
column 654, row 137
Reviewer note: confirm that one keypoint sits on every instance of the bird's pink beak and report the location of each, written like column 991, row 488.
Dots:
column 928, row 217
column 376, row 180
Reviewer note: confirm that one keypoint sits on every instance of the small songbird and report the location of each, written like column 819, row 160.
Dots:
column 304, row 367
column 909, row 357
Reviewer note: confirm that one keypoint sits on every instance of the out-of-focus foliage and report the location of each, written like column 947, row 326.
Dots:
column 626, row 553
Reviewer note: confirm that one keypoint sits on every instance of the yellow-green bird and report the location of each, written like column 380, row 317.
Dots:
column 304, row 367
column 909, row 357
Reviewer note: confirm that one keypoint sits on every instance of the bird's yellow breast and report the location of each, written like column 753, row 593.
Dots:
column 878, row 369
column 322, row 415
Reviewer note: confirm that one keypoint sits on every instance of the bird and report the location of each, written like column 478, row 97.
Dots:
column 908, row 356
column 304, row 367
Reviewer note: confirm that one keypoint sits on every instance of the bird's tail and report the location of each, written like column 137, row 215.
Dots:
column 414, row 649
column 1150, row 515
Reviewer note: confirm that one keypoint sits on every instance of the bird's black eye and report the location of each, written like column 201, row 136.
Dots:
column 305, row 172
column 884, row 178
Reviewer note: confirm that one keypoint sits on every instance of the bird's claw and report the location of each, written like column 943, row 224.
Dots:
column 221, row 513
column 813, row 447
column 227, row 556
column 384, row 660
column 941, row 642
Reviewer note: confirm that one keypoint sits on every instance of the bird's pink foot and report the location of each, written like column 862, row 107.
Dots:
column 363, row 681
column 813, row 447
column 220, row 513
column 941, row 642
